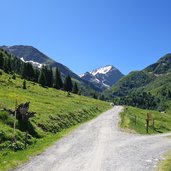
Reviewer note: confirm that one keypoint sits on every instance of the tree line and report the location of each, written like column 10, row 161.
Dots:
column 44, row 76
column 144, row 100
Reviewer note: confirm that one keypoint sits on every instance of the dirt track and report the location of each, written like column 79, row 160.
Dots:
column 99, row 145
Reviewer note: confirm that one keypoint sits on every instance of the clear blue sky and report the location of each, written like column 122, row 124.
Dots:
column 87, row 34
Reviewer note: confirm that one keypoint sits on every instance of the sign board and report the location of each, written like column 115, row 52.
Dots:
column 149, row 116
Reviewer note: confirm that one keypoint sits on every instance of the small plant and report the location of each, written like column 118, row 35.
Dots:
column 24, row 85
column 14, row 77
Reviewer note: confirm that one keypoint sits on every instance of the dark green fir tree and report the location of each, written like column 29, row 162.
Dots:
column 75, row 89
column 58, row 80
column 68, row 84
column 42, row 78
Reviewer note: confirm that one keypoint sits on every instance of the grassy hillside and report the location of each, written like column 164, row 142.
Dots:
column 162, row 66
column 147, row 89
column 12, row 64
column 55, row 112
column 162, row 121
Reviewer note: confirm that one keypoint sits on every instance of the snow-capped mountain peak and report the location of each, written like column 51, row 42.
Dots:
column 103, row 77
column 102, row 70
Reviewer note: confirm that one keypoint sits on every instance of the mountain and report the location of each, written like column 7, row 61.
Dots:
column 37, row 58
column 103, row 77
column 162, row 66
column 153, row 82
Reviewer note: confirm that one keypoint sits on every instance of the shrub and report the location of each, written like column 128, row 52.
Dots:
column 14, row 77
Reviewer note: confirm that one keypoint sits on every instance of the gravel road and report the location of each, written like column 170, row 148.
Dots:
column 99, row 145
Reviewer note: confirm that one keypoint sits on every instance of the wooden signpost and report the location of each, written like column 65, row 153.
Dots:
column 149, row 117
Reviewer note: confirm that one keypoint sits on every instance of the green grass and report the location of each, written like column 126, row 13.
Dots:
column 162, row 121
column 165, row 165
column 56, row 115
column 11, row 160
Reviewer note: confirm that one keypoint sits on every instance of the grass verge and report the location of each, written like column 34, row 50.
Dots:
column 134, row 119
column 165, row 165
column 11, row 160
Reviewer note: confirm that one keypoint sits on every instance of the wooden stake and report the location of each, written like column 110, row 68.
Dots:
column 147, row 124
column 15, row 114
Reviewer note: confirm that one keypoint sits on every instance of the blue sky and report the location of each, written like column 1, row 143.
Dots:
column 87, row 34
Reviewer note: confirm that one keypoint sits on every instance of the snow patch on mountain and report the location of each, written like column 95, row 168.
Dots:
column 103, row 77
column 102, row 70
column 81, row 75
column 34, row 63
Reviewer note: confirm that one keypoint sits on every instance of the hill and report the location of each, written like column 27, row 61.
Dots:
column 162, row 66
column 55, row 111
column 149, row 88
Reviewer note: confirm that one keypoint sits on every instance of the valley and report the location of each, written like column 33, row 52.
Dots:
column 85, row 85
column 61, row 101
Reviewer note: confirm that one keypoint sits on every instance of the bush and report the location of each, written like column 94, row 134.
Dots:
column 6, row 118
column 14, row 77
column 24, row 85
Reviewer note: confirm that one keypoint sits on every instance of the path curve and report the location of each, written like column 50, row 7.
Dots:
column 99, row 145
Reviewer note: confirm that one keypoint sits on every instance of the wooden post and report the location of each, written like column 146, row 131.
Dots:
column 14, row 126
column 15, row 114
column 147, row 125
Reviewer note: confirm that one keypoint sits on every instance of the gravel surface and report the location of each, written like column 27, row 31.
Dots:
column 99, row 145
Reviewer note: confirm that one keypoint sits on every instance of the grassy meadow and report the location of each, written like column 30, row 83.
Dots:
column 56, row 115
column 162, row 120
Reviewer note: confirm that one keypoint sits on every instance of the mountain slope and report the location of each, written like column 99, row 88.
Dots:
column 103, row 77
column 33, row 55
column 55, row 111
column 162, row 66
column 37, row 58
column 153, row 82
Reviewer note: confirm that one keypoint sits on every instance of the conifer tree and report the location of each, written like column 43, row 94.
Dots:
column 68, row 84
column 42, row 78
column 24, row 70
column 30, row 72
column 102, row 97
column 37, row 72
column 5, row 66
column 95, row 96
column 9, row 64
column 46, row 73
column 49, row 77
column 58, row 80
column 1, row 61
column 75, row 88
